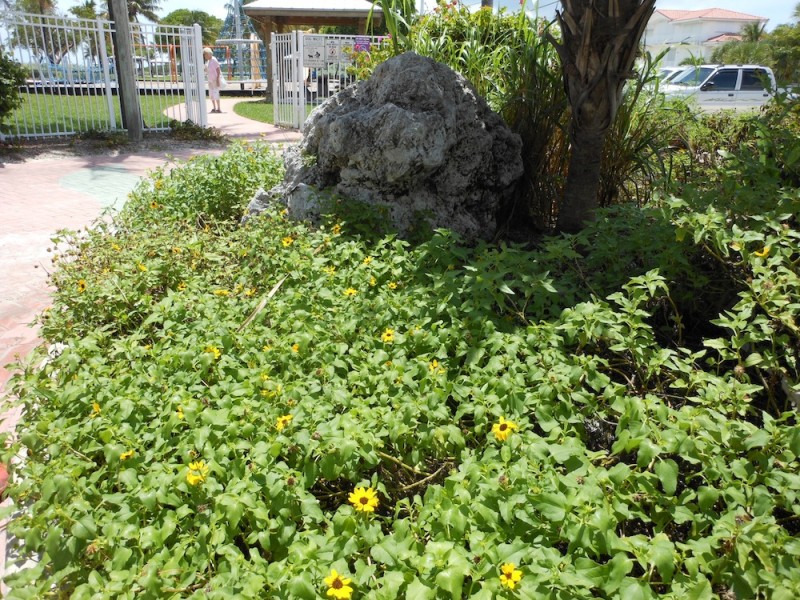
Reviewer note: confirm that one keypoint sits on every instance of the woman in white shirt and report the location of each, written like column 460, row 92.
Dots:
column 214, row 75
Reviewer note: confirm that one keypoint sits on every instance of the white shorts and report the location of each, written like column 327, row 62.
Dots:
column 213, row 93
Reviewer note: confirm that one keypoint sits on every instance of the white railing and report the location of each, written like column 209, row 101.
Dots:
column 71, row 83
column 307, row 69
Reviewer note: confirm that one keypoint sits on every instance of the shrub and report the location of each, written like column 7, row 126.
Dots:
column 293, row 410
column 12, row 76
column 208, row 187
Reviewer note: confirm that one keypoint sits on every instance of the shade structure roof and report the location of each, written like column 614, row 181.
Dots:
column 354, row 9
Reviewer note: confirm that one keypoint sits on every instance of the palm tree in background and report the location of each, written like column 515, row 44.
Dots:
column 37, row 7
column 144, row 8
column 753, row 32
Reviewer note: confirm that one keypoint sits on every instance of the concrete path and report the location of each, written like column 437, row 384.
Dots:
column 38, row 197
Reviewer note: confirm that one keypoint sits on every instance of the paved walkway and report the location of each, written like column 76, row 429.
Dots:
column 38, row 197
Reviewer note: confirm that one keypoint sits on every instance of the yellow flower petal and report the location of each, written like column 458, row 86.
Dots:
column 364, row 499
column 502, row 429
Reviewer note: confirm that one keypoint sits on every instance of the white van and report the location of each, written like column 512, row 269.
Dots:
column 724, row 86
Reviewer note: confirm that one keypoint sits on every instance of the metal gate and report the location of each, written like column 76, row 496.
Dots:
column 307, row 69
column 71, row 75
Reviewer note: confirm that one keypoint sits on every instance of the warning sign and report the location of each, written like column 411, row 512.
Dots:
column 314, row 51
column 319, row 50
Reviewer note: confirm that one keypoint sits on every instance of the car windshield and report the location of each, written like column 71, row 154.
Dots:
column 693, row 76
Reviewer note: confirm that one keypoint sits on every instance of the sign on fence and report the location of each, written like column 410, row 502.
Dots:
column 307, row 69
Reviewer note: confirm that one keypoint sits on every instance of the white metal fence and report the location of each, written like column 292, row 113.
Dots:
column 71, row 83
column 307, row 69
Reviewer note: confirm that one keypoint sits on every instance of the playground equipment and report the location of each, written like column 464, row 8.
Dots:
column 239, row 50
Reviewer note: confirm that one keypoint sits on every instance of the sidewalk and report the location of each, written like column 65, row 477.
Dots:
column 38, row 197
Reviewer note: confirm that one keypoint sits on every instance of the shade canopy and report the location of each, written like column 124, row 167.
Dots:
column 283, row 15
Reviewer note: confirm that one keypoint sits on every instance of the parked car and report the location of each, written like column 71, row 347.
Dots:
column 667, row 74
column 724, row 86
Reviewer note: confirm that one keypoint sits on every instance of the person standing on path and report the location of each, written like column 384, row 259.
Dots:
column 214, row 76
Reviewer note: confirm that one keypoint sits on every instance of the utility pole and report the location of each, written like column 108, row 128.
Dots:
column 126, row 72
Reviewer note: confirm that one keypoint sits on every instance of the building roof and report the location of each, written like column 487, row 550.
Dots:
column 724, row 37
column 708, row 13
column 317, row 8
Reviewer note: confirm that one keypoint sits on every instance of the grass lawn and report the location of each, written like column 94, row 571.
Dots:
column 257, row 110
column 45, row 113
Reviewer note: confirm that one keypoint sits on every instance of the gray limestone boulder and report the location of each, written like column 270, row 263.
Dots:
column 416, row 139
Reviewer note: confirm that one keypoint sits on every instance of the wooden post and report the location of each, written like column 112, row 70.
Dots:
column 126, row 72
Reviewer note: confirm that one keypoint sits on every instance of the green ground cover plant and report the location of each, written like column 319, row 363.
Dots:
column 282, row 411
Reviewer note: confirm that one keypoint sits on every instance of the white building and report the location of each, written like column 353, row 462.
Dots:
column 693, row 33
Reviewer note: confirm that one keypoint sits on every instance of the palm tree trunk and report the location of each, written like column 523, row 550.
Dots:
column 600, row 41
column 583, row 180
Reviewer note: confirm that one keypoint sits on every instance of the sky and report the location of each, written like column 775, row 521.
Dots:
column 777, row 11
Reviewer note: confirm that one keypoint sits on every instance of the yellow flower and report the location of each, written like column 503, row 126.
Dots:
column 213, row 350
column 295, row 347
column 181, row 286
column 265, row 377
column 372, row 281
column 222, row 293
column 126, row 455
column 388, row 335
column 364, row 499
column 81, row 286
column 392, row 285
column 282, row 422
column 95, row 409
column 763, row 252
column 350, row 292
column 510, row 575
column 287, row 241
column 176, row 250
column 198, row 471
column 503, row 429
column 141, row 267
column 367, row 260
column 159, row 184
column 266, row 348
column 337, row 229
column 435, row 367
column 338, row 586
column 116, row 247
column 154, row 205
column 249, row 292
column 330, row 270
column 179, row 413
